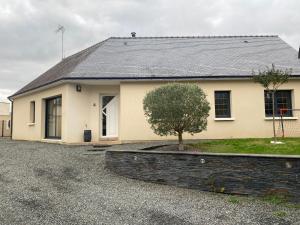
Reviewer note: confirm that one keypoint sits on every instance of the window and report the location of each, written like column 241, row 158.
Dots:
column 32, row 112
column 222, row 104
column 53, row 117
column 283, row 100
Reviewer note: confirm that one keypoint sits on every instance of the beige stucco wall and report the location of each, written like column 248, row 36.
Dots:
column 4, row 109
column 5, row 130
column 2, row 117
column 81, row 110
column 247, row 108
column 84, row 110
column 22, row 128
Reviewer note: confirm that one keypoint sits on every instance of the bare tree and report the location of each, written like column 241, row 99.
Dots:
column 271, row 79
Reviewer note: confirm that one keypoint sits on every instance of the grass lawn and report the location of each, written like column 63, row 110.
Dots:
column 291, row 146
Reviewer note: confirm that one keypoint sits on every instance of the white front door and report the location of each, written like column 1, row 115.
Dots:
column 110, row 117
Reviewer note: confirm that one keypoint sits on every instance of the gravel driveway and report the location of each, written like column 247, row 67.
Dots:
column 55, row 184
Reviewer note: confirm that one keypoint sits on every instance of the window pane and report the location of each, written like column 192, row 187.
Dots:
column 283, row 100
column 32, row 112
column 53, row 118
column 50, row 119
column 105, row 101
column 58, row 118
column 268, row 104
column 222, row 104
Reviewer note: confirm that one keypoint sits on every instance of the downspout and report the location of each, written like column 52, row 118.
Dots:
column 11, row 118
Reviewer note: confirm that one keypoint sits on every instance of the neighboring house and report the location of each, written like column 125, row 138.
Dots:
column 5, row 119
column 102, row 88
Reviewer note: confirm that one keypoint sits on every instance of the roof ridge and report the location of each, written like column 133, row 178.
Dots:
column 64, row 62
column 185, row 58
column 92, row 48
column 204, row 36
column 86, row 49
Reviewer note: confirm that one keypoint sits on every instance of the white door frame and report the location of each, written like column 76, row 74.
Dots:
column 117, row 116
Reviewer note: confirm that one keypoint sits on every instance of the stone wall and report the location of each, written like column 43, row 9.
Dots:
column 256, row 175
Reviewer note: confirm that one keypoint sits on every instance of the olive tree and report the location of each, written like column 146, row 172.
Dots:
column 271, row 79
column 176, row 108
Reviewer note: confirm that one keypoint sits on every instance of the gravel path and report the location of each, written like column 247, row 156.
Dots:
column 55, row 184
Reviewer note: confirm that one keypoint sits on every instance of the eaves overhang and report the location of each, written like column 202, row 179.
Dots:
column 137, row 79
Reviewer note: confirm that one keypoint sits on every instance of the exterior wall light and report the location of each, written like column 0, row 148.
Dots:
column 202, row 161
column 78, row 87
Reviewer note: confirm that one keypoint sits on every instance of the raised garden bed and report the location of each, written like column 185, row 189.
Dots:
column 243, row 174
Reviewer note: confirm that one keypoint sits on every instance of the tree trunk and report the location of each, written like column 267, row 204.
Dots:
column 273, row 105
column 180, row 142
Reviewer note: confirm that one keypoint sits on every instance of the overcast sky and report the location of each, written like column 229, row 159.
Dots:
column 29, row 45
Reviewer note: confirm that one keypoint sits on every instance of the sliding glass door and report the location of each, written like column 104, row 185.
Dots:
column 53, row 117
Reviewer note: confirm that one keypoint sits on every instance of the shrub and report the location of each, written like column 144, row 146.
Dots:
column 177, row 108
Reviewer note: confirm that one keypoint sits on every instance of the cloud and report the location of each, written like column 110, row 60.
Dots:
column 29, row 44
column 4, row 93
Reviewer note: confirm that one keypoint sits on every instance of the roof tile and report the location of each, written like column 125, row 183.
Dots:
column 173, row 57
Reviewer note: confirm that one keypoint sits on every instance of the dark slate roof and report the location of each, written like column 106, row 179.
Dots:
column 173, row 58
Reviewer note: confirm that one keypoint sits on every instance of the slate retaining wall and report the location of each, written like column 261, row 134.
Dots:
column 256, row 175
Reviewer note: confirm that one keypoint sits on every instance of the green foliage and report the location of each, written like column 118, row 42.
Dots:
column 234, row 200
column 293, row 206
column 280, row 199
column 272, row 78
column 280, row 214
column 276, row 199
column 176, row 108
